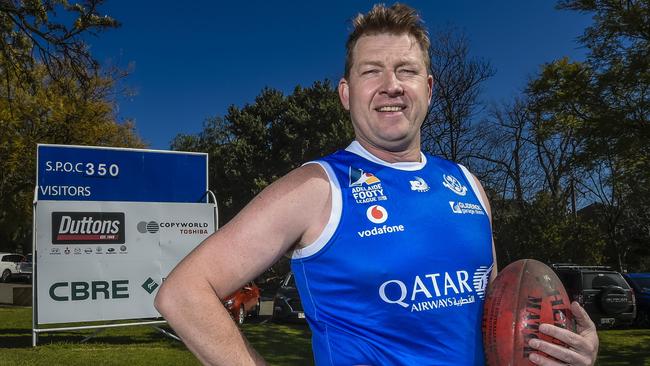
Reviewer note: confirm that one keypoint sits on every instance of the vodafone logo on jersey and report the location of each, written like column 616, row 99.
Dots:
column 377, row 214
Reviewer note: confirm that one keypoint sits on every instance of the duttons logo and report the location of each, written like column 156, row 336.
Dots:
column 88, row 228
column 377, row 214
column 454, row 184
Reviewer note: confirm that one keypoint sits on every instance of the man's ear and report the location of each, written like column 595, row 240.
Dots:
column 430, row 84
column 344, row 93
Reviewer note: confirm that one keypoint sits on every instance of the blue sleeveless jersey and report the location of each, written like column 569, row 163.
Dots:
column 398, row 276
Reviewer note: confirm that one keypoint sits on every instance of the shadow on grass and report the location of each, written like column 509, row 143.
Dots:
column 281, row 344
column 22, row 338
column 624, row 347
column 15, row 338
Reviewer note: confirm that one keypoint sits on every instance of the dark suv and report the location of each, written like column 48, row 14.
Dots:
column 603, row 292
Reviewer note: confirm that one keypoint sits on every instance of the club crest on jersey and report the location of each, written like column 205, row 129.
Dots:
column 453, row 184
column 419, row 185
column 365, row 186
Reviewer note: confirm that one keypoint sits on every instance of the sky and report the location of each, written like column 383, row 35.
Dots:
column 192, row 60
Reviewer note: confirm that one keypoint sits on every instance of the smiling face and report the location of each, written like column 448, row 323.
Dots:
column 388, row 92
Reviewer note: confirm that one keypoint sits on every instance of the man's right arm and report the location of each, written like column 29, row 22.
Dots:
column 292, row 210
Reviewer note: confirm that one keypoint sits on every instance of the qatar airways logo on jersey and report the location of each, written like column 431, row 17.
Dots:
column 433, row 291
column 378, row 215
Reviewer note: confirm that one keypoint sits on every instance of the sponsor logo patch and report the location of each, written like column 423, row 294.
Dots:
column 150, row 285
column 465, row 208
column 454, row 184
column 377, row 214
column 88, row 228
column 184, row 228
column 365, row 186
column 359, row 178
column 431, row 291
column 419, row 185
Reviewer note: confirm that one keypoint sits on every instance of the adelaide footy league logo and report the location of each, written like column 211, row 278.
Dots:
column 365, row 187
column 377, row 214
column 358, row 178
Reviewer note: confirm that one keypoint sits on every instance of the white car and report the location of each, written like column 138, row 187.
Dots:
column 10, row 266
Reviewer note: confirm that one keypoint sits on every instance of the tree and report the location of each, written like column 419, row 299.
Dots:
column 62, row 112
column 50, row 32
column 51, row 91
column 448, row 131
column 251, row 147
column 605, row 100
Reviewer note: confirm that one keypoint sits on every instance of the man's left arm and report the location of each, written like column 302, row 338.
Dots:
column 582, row 347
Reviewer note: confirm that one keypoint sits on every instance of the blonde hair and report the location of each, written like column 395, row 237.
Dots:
column 398, row 19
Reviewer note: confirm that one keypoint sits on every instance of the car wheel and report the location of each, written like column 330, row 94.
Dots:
column 643, row 319
column 613, row 300
column 241, row 315
column 5, row 276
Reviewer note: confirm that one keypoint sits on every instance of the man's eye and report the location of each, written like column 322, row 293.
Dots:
column 408, row 71
column 370, row 72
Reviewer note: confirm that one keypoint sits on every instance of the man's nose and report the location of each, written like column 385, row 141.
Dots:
column 391, row 85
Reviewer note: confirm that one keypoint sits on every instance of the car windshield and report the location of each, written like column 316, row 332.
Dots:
column 600, row 280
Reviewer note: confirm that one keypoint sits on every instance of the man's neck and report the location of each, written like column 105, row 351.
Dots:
column 409, row 154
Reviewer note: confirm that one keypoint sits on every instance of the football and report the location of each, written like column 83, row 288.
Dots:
column 525, row 294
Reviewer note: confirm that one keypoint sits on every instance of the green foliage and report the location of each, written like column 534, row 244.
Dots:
column 49, row 32
column 51, row 91
column 602, row 108
column 542, row 230
column 251, row 147
column 61, row 112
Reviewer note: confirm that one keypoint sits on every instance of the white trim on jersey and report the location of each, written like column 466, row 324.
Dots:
column 332, row 223
column 472, row 182
column 356, row 148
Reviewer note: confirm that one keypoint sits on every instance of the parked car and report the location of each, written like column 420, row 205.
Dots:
column 606, row 296
column 286, row 303
column 640, row 283
column 243, row 302
column 10, row 267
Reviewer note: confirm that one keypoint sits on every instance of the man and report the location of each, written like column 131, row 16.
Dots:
column 392, row 249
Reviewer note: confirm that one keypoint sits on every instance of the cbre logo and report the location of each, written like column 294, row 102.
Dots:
column 377, row 214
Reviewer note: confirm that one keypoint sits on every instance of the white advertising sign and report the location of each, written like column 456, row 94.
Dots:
column 106, row 260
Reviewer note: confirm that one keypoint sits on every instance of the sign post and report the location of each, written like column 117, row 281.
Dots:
column 109, row 226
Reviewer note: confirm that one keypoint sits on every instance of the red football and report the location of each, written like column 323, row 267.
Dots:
column 525, row 294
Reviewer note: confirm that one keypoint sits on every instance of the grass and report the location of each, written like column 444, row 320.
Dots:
column 280, row 344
